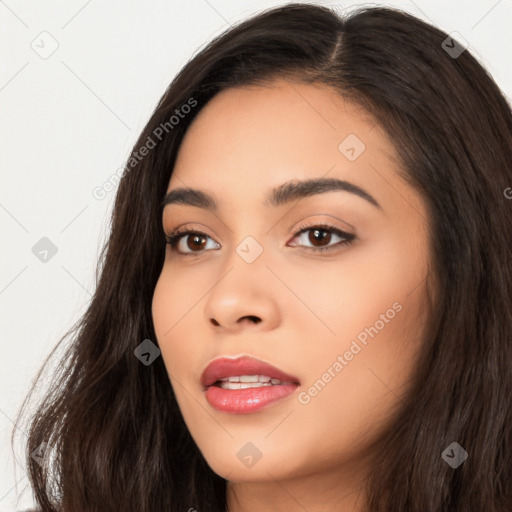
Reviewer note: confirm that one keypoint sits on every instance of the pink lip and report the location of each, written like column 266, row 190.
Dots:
column 243, row 401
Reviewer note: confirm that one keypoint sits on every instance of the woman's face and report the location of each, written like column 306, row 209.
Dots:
column 346, row 323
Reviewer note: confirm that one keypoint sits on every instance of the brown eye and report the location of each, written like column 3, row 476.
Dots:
column 189, row 242
column 319, row 238
column 195, row 242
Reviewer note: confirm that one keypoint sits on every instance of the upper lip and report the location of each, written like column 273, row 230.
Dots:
column 226, row 367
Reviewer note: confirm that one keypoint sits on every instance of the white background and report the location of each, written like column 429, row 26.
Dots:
column 69, row 121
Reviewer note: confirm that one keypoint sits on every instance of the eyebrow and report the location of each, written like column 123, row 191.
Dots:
column 278, row 196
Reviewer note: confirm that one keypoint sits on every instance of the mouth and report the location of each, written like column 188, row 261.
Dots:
column 244, row 385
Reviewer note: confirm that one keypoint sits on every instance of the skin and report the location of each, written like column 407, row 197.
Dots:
column 312, row 306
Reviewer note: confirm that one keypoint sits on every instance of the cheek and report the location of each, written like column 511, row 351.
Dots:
column 170, row 311
column 357, row 378
column 370, row 356
column 170, row 307
column 376, row 287
column 365, row 330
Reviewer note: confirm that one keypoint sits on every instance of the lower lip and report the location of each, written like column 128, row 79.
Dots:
column 244, row 401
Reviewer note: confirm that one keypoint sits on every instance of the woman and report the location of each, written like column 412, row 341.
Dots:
column 235, row 355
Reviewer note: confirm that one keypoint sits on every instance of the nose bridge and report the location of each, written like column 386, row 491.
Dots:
column 250, row 249
column 242, row 290
column 248, row 236
column 244, row 269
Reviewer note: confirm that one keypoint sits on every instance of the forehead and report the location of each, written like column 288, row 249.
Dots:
column 250, row 139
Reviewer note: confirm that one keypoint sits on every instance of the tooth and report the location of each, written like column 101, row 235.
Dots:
column 230, row 385
column 254, row 385
column 243, row 385
column 249, row 378
column 248, row 381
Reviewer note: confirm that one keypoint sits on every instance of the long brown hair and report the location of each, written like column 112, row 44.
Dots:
column 113, row 424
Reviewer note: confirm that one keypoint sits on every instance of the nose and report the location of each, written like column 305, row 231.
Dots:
column 243, row 299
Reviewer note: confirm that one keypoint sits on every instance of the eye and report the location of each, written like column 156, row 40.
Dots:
column 320, row 237
column 193, row 240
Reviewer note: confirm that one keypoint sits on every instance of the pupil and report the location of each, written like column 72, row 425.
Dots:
column 196, row 243
column 320, row 235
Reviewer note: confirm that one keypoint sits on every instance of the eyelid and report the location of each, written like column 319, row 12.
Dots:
column 185, row 228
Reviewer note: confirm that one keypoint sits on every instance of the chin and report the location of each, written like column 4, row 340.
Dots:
column 244, row 461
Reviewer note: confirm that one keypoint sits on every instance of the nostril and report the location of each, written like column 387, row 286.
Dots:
column 253, row 318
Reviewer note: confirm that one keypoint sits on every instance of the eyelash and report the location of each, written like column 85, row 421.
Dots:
column 177, row 234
